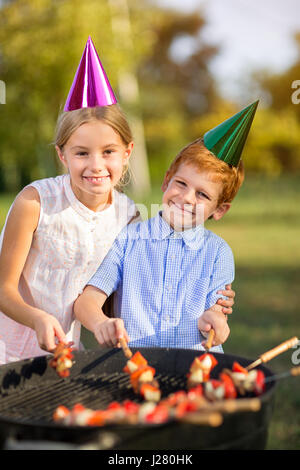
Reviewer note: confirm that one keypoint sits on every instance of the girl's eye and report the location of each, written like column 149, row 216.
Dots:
column 81, row 154
column 181, row 183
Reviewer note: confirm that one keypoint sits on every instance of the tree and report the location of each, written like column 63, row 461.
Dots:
column 39, row 54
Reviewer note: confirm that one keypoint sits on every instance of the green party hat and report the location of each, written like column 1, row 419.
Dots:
column 227, row 140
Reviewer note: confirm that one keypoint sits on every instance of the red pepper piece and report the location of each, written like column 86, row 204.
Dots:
column 114, row 405
column 60, row 413
column 176, row 398
column 159, row 415
column 238, row 368
column 260, row 385
column 214, row 361
column 78, row 408
column 130, row 407
column 195, row 392
column 230, row 390
column 138, row 359
column 98, row 418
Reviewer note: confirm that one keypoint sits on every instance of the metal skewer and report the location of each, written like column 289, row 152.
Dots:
column 283, row 375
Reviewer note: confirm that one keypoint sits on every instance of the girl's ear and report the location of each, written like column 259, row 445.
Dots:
column 61, row 156
column 221, row 210
column 165, row 182
column 128, row 152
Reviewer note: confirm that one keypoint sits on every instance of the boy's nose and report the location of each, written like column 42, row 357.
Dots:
column 189, row 196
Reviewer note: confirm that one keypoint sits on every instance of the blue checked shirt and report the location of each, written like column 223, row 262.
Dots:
column 164, row 281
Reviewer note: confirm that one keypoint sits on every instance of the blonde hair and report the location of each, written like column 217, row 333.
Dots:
column 112, row 115
column 202, row 159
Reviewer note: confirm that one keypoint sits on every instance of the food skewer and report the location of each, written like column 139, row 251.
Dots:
column 267, row 356
column 127, row 352
column 210, row 339
column 294, row 372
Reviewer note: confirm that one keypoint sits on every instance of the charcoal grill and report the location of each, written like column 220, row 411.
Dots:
column 31, row 391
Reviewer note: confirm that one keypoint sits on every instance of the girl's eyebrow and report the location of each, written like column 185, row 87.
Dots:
column 78, row 147
column 86, row 148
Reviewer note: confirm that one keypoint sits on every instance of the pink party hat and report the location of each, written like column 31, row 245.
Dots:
column 90, row 86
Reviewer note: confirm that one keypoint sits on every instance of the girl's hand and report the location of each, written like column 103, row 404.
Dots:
column 108, row 332
column 48, row 328
column 227, row 303
column 214, row 318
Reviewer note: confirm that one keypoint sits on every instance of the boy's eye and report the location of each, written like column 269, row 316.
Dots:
column 201, row 194
column 181, row 183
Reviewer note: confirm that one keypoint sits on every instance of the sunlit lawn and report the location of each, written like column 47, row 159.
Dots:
column 263, row 229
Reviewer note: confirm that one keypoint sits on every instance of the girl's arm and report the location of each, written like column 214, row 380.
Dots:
column 20, row 226
column 88, row 310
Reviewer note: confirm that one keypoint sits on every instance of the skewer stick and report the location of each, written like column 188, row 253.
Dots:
column 210, row 339
column 213, row 418
column 234, row 405
column 127, row 352
column 267, row 356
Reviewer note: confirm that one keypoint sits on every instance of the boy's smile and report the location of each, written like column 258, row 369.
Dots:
column 191, row 197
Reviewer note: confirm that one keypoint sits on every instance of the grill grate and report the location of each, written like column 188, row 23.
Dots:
column 36, row 404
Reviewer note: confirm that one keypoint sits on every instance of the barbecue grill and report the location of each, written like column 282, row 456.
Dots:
column 31, row 391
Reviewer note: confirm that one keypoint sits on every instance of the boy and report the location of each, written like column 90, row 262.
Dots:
column 168, row 270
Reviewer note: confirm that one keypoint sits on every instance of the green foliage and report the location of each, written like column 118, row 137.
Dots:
column 41, row 42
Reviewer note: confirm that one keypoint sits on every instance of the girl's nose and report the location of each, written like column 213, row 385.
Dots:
column 96, row 162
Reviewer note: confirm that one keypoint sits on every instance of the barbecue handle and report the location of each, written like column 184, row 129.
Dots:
column 267, row 356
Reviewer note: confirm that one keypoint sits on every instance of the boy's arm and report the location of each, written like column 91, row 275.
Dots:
column 213, row 316
column 88, row 306
column 88, row 310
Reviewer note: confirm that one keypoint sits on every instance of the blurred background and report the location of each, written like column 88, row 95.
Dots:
column 178, row 69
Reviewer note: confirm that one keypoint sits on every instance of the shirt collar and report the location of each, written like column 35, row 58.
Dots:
column 193, row 237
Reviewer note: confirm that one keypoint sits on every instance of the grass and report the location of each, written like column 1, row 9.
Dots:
column 263, row 230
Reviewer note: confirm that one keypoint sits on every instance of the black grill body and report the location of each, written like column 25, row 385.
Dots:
column 31, row 391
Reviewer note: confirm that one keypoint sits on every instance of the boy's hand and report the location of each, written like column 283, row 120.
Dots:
column 227, row 303
column 214, row 318
column 108, row 332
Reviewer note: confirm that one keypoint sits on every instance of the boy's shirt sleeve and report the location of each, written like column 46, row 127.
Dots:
column 223, row 274
column 110, row 272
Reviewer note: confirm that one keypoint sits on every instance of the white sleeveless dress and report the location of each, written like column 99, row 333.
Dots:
column 68, row 245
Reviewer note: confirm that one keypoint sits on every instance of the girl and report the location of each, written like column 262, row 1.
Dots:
column 58, row 230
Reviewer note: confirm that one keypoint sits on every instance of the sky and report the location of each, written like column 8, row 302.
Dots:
column 251, row 35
